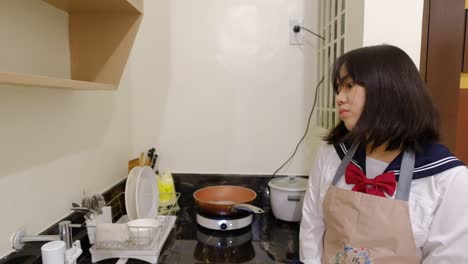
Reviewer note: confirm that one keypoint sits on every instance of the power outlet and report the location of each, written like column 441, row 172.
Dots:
column 295, row 38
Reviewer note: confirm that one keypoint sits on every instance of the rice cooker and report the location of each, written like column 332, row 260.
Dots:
column 287, row 196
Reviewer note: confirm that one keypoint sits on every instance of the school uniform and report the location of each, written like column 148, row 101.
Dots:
column 365, row 218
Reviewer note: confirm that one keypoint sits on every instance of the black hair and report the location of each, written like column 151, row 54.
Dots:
column 398, row 110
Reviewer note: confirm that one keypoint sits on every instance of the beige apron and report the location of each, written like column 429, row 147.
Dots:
column 366, row 229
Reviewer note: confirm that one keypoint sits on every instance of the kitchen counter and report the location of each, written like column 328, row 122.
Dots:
column 267, row 240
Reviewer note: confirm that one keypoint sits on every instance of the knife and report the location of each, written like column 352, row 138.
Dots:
column 150, row 155
column 153, row 161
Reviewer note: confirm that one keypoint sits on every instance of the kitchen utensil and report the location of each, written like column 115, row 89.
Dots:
column 94, row 206
column 225, row 199
column 81, row 209
column 85, row 211
column 147, row 194
column 133, row 163
column 77, row 208
column 135, row 248
column 150, row 156
column 100, row 202
column 86, row 202
column 287, row 196
column 130, row 193
column 153, row 161
column 144, row 229
column 93, row 203
column 142, row 159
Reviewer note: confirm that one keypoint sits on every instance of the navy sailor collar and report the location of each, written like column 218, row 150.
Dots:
column 433, row 159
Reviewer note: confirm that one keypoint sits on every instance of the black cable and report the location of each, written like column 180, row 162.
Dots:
column 307, row 129
column 297, row 29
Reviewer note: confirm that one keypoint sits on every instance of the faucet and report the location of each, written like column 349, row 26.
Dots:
column 73, row 250
column 19, row 238
column 65, row 233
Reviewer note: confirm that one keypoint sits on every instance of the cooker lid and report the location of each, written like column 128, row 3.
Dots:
column 290, row 183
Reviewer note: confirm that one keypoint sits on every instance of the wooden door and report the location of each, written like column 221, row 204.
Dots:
column 444, row 58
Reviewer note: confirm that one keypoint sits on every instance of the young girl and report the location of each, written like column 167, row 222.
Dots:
column 382, row 190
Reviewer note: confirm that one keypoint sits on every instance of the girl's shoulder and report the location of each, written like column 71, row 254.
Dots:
column 327, row 157
column 434, row 159
column 327, row 152
column 431, row 160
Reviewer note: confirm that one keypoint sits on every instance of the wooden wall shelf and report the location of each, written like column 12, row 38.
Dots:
column 101, row 36
column 50, row 82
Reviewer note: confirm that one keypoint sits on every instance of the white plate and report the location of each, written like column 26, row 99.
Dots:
column 130, row 192
column 147, row 194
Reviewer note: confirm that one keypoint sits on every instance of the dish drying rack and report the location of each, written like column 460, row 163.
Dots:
column 144, row 243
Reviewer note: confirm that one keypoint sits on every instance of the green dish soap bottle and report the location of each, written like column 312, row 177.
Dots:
column 167, row 194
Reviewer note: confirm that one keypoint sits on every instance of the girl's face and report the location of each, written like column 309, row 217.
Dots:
column 351, row 98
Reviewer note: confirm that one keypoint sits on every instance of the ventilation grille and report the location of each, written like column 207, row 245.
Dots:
column 333, row 29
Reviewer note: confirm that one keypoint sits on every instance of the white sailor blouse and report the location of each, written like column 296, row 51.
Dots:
column 438, row 201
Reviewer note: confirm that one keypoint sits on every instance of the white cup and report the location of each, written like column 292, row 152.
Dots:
column 53, row 252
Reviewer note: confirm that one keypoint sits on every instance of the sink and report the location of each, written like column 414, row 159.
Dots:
column 24, row 259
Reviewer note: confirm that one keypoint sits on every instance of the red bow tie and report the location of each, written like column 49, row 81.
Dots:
column 383, row 183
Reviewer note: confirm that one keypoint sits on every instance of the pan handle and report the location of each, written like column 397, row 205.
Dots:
column 248, row 207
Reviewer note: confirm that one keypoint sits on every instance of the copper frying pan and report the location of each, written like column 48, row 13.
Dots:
column 225, row 199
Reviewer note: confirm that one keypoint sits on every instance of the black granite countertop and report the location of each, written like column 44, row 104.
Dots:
column 267, row 240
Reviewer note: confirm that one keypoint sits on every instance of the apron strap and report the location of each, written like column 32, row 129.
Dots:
column 406, row 172
column 344, row 163
column 406, row 176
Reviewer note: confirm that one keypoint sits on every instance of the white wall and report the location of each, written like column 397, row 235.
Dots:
column 397, row 22
column 57, row 143
column 213, row 84
column 238, row 94
column 27, row 42
column 151, row 72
